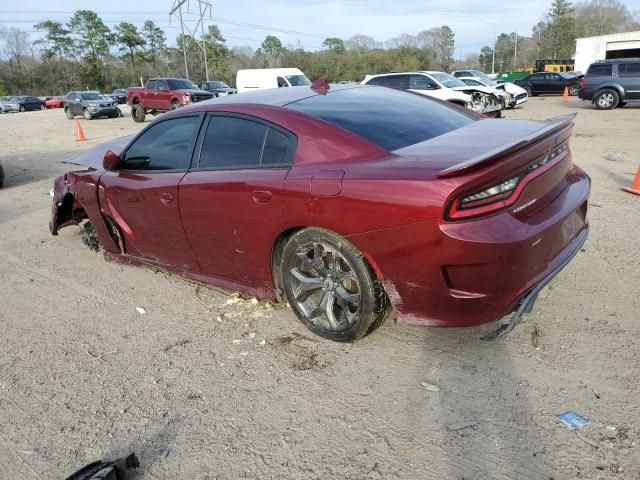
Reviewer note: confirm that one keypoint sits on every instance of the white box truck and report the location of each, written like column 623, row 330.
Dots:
column 261, row 78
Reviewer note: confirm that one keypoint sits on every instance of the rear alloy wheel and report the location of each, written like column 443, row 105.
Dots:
column 86, row 114
column 68, row 113
column 42, row 106
column 331, row 288
column 528, row 89
column 137, row 113
column 22, row 109
column 607, row 99
column 574, row 89
column 175, row 105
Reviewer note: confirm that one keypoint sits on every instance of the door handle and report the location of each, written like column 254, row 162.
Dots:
column 261, row 196
column 166, row 198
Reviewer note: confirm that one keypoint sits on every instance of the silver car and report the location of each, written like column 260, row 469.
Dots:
column 90, row 105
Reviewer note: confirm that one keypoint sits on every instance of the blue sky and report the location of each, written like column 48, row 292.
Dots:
column 474, row 22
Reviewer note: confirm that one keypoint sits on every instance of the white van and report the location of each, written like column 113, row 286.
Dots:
column 261, row 78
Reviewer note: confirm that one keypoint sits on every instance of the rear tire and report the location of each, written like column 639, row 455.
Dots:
column 574, row 90
column 22, row 109
column 331, row 287
column 42, row 106
column 606, row 99
column 67, row 112
column 528, row 89
column 175, row 105
column 137, row 113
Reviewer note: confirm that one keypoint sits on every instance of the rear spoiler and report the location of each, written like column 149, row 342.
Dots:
column 554, row 126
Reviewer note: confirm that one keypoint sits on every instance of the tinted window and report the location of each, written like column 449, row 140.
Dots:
column 152, row 85
column 630, row 70
column 167, row 145
column 177, row 84
column 538, row 76
column 275, row 148
column 473, row 83
column 282, row 82
column 392, row 81
column 388, row 118
column 232, row 142
column 298, row 80
column 599, row 70
column 421, row 82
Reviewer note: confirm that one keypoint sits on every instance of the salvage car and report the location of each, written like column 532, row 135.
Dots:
column 218, row 88
column 541, row 83
column 54, row 102
column 347, row 201
column 442, row 86
column 90, row 105
column 511, row 94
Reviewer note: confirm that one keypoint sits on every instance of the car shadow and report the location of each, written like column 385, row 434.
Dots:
column 22, row 168
column 465, row 406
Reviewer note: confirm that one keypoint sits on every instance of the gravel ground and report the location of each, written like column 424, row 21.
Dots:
column 208, row 385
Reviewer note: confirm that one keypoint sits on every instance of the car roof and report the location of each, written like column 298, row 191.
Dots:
column 278, row 97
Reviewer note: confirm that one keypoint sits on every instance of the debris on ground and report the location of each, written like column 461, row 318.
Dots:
column 455, row 426
column 108, row 470
column 614, row 157
column 535, row 336
column 572, row 420
column 430, row 387
column 179, row 343
column 141, row 310
column 172, row 373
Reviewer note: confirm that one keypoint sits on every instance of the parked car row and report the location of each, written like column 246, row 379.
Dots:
column 20, row 103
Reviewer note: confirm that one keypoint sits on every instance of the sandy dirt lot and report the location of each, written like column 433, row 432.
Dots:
column 208, row 386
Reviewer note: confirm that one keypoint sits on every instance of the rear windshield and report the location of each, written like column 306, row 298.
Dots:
column 599, row 70
column 389, row 118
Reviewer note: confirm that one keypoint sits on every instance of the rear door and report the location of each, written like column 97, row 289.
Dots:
column 538, row 82
column 629, row 74
column 163, row 97
column 151, row 94
column 142, row 196
column 555, row 83
column 231, row 199
column 75, row 104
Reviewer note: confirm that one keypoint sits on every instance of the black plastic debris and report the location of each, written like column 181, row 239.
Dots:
column 108, row 470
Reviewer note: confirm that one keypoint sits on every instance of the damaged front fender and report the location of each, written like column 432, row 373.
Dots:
column 65, row 209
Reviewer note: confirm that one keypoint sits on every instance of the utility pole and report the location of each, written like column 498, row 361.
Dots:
column 493, row 60
column 203, row 5
column 515, row 51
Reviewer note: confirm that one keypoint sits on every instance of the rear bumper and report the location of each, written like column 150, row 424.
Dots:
column 473, row 272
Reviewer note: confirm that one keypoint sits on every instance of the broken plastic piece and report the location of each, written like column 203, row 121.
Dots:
column 108, row 470
column 572, row 420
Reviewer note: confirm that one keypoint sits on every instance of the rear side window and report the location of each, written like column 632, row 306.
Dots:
column 166, row 145
column 388, row 118
column 603, row 70
column 231, row 142
column 392, row 81
column 629, row 70
column 422, row 82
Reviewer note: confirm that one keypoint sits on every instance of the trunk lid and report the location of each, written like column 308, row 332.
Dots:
column 488, row 153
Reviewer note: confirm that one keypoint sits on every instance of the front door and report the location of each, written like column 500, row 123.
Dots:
column 142, row 196
column 231, row 200
column 163, row 96
column 630, row 77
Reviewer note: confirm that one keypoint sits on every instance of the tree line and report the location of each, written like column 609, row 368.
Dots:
column 84, row 53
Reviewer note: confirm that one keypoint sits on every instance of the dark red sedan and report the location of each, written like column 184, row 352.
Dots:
column 349, row 204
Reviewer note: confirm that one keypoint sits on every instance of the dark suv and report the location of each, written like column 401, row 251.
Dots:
column 89, row 105
column 610, row 83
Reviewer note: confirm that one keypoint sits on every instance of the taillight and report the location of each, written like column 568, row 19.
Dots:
column 584, row 82
column 501, row 195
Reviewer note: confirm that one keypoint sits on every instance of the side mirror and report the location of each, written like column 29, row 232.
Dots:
column 111, row 161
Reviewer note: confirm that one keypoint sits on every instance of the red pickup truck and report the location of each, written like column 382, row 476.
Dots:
column 163, row 94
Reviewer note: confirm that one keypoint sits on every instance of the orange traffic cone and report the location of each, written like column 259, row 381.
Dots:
column 565, row 95
column 79, row 133
column 635, row 186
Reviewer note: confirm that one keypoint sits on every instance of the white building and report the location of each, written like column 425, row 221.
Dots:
column 618, row 45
